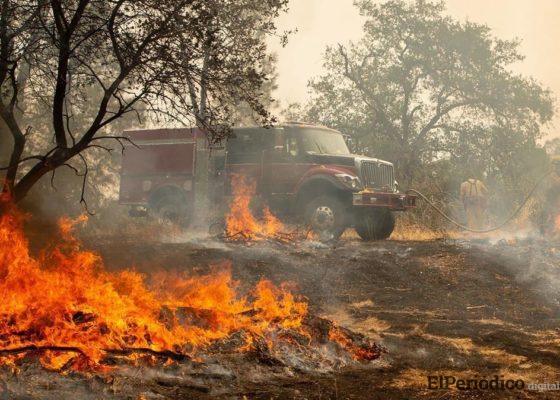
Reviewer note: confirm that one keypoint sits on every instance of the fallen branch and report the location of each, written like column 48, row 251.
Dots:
column 119, row 352
column 279, row 237
column 34, row 348
column 141, row 350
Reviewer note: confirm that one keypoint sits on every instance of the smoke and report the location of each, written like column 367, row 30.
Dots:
column 531, row 260
column 535, row 265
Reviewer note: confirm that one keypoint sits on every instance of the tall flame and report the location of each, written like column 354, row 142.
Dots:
column 241, row 221
column 66, row 297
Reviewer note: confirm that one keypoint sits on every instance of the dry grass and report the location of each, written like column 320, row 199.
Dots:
column 406, row 232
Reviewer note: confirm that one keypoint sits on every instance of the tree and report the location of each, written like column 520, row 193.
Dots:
column 59, row 195
column 141, row 55
column 421, row 87
column 244, row 114
column 552, row 146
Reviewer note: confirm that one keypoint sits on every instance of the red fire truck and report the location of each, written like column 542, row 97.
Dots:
column 302, row 172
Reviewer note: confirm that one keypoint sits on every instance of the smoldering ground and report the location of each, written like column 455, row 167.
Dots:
column 465, row 307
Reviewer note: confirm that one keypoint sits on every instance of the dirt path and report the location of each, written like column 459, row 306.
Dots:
column 469, row 310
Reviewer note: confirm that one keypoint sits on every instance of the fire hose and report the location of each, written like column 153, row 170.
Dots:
column 466, row 228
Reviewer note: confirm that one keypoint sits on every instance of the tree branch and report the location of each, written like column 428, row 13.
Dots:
column 440, row 113
column 376, row 105
column 84, row 182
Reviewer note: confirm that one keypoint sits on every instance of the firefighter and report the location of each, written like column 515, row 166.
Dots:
column 551, row 208
column 474, row 196
column 555, row 161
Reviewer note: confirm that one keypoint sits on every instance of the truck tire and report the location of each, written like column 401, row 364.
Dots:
column 327, row 217
column 375, row 224
column 217, row 228
column 170, row 206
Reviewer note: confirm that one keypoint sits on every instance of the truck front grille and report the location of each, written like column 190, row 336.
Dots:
column 378, row 176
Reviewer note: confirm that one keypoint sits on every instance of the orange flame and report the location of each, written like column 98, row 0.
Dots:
column 241, row 220
column 66, row 298
column 358, row 353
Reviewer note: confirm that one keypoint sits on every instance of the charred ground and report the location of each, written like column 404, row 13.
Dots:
column 463, row 308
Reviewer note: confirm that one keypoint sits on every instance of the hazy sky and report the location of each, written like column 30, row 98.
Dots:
column 324, row 22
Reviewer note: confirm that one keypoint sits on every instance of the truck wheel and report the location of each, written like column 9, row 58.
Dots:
column 171, row 208
column 375, row 224
column 217, row 228
column 327, row 217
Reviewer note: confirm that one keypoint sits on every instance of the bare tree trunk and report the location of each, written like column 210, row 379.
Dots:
column 204, row 85
column 31, row 178
column 17, row 150
column 10, row 117
column 5, row 145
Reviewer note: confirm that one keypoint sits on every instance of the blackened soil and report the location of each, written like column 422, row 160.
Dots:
column 472, row 310
column 467, row 309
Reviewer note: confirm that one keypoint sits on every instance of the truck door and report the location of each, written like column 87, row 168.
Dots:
column 283, row 167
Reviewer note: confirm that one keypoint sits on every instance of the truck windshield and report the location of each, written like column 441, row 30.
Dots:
column 323, row 142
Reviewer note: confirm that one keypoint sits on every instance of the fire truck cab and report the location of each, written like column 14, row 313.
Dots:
column 303, row 173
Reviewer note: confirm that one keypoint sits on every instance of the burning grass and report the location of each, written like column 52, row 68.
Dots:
column 241, row 222
column 66, row 308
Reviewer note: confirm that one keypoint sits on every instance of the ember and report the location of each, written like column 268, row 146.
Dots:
column 65, row 307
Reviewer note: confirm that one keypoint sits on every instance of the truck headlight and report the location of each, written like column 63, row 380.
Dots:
column 353, row 182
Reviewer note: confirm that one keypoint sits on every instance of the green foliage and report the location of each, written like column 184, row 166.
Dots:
column 243, row 114
column 553, row 147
